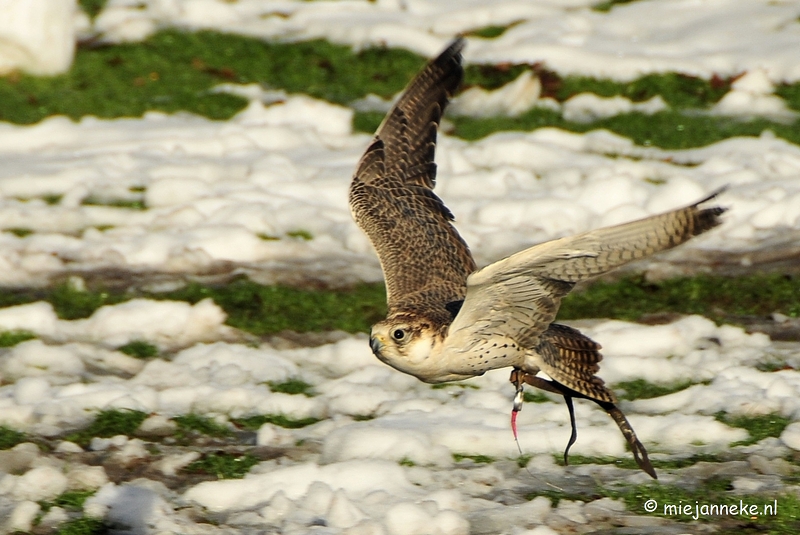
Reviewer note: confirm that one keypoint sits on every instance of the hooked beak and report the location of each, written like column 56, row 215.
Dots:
column 376, row 344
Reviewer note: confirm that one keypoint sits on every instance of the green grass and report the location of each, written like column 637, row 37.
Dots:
column 109, row 423
column 669, row 129
column 759, row 427
column 196, row 423
column 523, row 460
column 292, row 386
column 71, row 500
column 716, row 491
column 82, row 526
column 71, row 303
column 252, row 423
column 68, row 302
column 641, row 389
column 629, row 464
column 716, row 297
column 131, row 204
column 535, row 396
column 175, row 71
column 139, row 349
column 606, row 6
column 10, row 437
column 12, row 338
column 488, row 32
column 773, row 365
column 264, row 310
column 92, row 7
column 479, row 459
column 223, row 465
column 679, row 91
column 19, row 232
column 300, row 234
column 620, row 462
column 790, row 93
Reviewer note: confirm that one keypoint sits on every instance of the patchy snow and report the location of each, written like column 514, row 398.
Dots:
column 395, row 469
column 38, row 36
column 219, row 193
column 725, row 37
column 238, row 196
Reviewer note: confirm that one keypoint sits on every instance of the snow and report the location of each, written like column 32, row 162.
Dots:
column 214, row 190
column 725, row 37
column 38, row 36
column 226, row 197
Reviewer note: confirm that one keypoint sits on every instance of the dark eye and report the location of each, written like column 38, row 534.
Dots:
column 399, row 334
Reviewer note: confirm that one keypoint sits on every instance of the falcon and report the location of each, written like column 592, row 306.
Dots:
column 447, row 320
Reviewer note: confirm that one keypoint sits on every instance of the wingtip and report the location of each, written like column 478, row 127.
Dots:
column 458, row 43
column 708, row 218
column 455, row 48
column 713, row 195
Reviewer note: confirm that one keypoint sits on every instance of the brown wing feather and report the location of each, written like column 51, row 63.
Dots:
column 425, row 262
column 565, row 366
column 576, row 362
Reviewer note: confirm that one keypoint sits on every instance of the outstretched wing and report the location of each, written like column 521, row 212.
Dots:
column 424, row 260
column 520, row 295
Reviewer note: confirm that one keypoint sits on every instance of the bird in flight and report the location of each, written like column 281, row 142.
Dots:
column 448, row 320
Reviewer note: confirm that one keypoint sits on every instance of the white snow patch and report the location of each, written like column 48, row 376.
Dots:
column 37, row 36
column 356, row 478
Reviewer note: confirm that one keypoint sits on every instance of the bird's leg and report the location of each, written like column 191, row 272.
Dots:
column 639, row 452
column 551, row 386
column 638, row 449
column 574, row 436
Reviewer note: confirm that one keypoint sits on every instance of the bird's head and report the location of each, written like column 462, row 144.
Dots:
column 402, row 343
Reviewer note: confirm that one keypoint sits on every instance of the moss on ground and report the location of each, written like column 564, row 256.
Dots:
column 197, row 423
column 759, row 427
column 253, row 423
column 629, row 463
column 10, row 437
column 223, row 465
column 92, row 7
column 85, row 525
column 478, row 459
column 264, row 310
column 12, row 338
column 642, row 389
column 175, row 71
column 293, row 387
column 109, row 423
column 607, row 5
column 71, row 500
column 716, row 297
column 139, row 349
